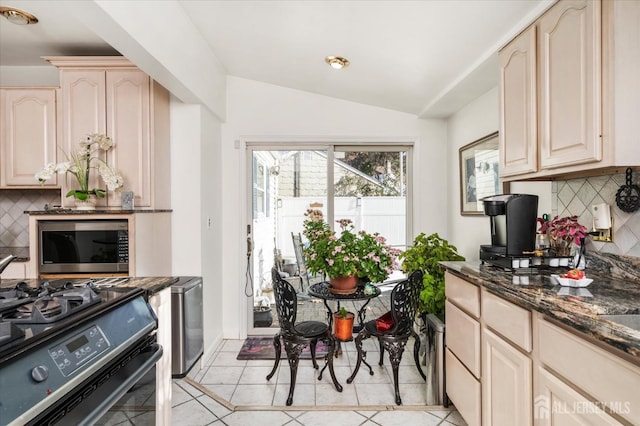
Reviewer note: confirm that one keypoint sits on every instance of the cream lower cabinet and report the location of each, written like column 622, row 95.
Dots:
column 462, row 355
column 506, row 362
column 532, row 372
column 607, row 385
column 559, row 404
column 506, row 383
column 27, row 135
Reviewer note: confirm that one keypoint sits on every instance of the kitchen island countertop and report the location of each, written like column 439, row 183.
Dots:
column 577, row 308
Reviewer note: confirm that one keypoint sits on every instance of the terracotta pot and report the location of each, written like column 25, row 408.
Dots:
column 343, row 327
column 343, row 285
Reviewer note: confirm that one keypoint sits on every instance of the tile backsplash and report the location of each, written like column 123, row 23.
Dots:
column 14, row 223
column 576, row 196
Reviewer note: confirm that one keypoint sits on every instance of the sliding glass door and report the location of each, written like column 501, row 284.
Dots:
column 367, row 184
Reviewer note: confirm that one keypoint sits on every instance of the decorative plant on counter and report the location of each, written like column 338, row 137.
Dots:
column 425, row 255
column 564, row 231
column 80, row 163
column 360, row 254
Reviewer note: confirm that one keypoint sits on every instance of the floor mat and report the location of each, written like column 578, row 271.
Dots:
column 262, row 348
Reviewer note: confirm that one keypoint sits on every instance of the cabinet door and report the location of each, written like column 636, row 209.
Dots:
column 463, row 389
column 518, row 116
column 506, row 383
column 83, row 112
column 28, row 139
column 558, row 404
column 128, row 125
column 463, row 337
column 569, row 86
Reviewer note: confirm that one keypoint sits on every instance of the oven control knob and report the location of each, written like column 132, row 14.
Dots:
column 40, row 373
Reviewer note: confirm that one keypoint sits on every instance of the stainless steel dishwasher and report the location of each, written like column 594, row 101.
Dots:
column 186, row 323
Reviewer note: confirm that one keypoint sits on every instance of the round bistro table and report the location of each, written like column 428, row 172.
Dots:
column 321, row 291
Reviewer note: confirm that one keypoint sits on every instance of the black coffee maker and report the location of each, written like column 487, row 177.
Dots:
column 513, row 228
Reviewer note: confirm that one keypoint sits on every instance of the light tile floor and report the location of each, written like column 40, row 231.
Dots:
column 231, row 392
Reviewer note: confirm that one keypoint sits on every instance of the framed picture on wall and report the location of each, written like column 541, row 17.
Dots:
column 479, row 174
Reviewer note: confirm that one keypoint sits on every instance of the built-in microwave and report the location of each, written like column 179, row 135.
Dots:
column 83, row 246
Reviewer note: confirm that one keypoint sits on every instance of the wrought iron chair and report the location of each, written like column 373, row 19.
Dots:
column 404, row 304
column 297, row 336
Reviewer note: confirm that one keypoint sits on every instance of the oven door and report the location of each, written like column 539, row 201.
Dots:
column 94, row 398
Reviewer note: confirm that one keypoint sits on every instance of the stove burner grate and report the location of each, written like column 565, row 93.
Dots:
column 54, row 307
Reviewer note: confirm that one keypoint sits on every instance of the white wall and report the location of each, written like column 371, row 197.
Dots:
column 186, row 187
column 211, row 223
column 476, row 120
column 258, row 111
column 164, row 44
column 44, row 76
column 196, row 178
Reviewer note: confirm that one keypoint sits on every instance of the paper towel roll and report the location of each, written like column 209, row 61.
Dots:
column 601, row 216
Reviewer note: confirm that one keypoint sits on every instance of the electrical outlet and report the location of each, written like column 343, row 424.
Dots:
column 208, row 222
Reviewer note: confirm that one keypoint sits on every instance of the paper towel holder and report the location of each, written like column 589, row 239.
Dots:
column 602, row 223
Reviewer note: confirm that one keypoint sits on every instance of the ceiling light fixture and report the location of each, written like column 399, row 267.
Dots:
column 337, row 62
column 17, row 16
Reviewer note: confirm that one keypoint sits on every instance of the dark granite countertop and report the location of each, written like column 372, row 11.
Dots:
column 60, row 211
column 152, row 285
column 21, row 253
column 578, row 308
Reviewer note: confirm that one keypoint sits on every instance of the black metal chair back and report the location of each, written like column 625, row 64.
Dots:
column 296, row 336
column 405, row 298
column 286, row 302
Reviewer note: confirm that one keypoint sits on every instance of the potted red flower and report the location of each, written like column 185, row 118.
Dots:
column 564, row 231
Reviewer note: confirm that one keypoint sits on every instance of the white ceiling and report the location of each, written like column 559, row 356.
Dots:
column 427, row 58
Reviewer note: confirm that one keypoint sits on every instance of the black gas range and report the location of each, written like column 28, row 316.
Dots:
column 69, row 349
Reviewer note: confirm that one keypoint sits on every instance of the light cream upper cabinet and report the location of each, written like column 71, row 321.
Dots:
column 518, row 127
column 128, row 125
column 83, row 111
column 111, row 96
column 581, row 117
column 28, row 135
column 570, row 92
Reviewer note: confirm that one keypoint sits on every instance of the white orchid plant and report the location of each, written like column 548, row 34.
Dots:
column 80, row 163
